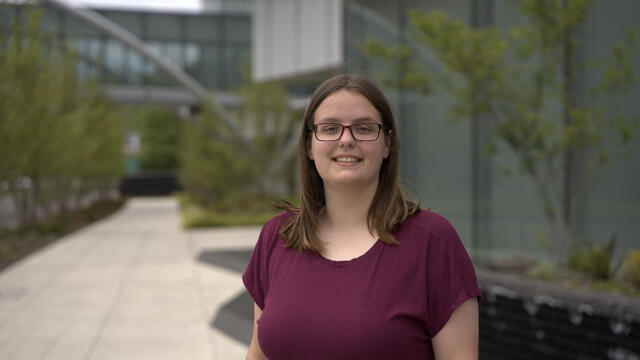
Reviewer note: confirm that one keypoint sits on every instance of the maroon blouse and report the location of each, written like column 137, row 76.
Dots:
column 386, row 304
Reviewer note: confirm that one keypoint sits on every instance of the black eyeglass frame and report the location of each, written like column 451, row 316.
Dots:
column 314, row 128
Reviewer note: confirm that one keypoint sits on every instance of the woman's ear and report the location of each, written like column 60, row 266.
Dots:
column 388, row 142
column 309, row 152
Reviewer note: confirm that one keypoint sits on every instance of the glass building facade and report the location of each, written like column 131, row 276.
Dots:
column 444, row 163
column 211, row 47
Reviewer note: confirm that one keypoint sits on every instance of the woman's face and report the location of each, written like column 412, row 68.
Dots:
column 347, row 161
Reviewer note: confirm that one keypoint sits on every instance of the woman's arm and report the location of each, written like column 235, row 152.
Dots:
column 255, row 353
column 458, row 339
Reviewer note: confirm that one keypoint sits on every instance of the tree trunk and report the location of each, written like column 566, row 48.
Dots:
column 568, row 104
column 35, row 200
column 19, row 202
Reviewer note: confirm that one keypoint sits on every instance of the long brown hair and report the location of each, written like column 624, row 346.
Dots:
column 390, row 206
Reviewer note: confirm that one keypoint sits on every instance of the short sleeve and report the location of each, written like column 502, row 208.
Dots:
column 451, row 278
column 256, row 275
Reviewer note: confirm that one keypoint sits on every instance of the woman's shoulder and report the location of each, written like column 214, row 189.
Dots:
column 426, row 219
column 427, row 226
column 272, row 227
column 279, row 219
column 270, row 233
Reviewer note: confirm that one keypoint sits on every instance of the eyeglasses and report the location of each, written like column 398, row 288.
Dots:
column 360, row 132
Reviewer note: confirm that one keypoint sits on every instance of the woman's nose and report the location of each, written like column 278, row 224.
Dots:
column 347, row 136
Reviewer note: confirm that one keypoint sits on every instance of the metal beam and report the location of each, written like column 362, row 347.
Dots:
column 118, row 32
column 94, row 18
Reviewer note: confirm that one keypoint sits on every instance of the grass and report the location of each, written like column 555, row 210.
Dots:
column 613, row 286
column 18, row 243
column 568, row 277
column 613, row 280
column 245, row 213
column 194, row 216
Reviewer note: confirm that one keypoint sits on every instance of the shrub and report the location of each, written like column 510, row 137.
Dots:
column 594, row 261
column 632, row 267
column 544, row 271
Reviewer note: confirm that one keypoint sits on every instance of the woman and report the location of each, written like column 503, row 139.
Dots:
column 358, row 271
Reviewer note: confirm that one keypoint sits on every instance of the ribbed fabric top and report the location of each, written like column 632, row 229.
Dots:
column 386, row 304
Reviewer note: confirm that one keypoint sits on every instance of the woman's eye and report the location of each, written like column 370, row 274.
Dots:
column 329, row 129
column 364, row 129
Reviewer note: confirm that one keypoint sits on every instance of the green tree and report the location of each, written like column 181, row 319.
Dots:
column 523, row 83
column 159, row 135
column 58, row 135
column 272, row 128
column 100, row 133
column 213, row 167
column 253, row 159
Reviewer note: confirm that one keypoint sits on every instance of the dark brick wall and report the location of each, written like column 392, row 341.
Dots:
column 517, row 329
column 529, row 321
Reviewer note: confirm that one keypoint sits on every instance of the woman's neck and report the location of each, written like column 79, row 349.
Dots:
column 348, row 207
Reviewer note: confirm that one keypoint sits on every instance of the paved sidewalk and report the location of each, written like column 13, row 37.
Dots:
column 127, row 287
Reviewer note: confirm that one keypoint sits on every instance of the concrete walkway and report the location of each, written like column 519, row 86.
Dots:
column 127, row 287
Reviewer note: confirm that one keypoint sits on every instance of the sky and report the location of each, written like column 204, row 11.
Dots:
column 186, row 5
column 155, row 5
column 159, row 5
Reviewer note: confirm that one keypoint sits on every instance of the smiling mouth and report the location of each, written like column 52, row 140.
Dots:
column 346, row 159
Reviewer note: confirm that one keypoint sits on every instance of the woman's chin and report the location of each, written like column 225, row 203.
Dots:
column 356, row 182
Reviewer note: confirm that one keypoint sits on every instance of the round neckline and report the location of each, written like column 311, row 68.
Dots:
column 378, row 244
